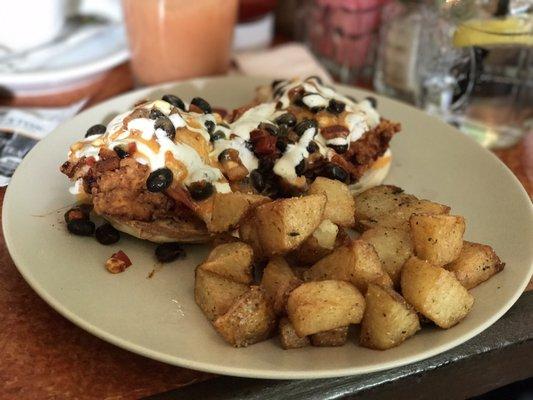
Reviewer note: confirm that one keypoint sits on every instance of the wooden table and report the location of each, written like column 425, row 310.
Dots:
column 42, row 355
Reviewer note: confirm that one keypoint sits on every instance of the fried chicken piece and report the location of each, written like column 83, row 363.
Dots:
column 372, row 145
column 122, row 192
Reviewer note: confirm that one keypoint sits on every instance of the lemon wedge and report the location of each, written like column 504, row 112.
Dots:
column 510, row 30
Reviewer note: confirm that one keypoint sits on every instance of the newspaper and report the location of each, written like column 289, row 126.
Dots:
column 22, row 128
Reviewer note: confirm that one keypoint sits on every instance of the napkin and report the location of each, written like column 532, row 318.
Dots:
column 285, row 61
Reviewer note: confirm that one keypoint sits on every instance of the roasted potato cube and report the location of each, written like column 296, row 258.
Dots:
column 299, row 272
column 476, row 263
column 320, row 306
column 332, row 338
column 356, row 262
column 317, row 246
column 282, row 225
column 404, row 211
column 393, row 246
column 378, row 201
column 249, row 234
column 249, row 320
column 288, row 337
column 277, row 282
column 340, row 204
column 215, row 294
column 435, row 292
column 326, row 234
column 387, row 205
column 437, row 238
column 232, row 261
column 229, row 208
column 388, row 319
column 224, row 238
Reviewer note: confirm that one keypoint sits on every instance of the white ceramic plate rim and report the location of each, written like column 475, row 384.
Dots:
column 66, row 74
column 237, row 371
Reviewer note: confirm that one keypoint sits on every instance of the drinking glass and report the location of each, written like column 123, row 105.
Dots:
column 343, row 35
column 179, row 39
column 467, row 66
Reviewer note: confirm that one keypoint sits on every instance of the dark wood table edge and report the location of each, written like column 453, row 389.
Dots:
column 500, row 355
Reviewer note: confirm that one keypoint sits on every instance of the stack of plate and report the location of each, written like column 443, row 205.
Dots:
column 92, row 42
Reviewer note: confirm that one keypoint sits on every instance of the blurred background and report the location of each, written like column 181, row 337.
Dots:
column 468, row 62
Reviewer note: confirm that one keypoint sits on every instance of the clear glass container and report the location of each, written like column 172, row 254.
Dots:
column 343, row 35
column 458, row 61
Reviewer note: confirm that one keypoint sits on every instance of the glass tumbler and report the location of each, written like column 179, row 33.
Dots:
column 468, row 66
column 179, row 39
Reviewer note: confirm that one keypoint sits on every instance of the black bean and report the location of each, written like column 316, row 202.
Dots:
column 281, row 145
column 300, row 168
column 283, row 130
column 174, row 100
column 202, row 105
column 265, row 164
column 249, row 145
column 270, row 128
column 336, row 107
column 155, row 113
column 275, row 83
column 312, row 147
column 339, row 148
column 373, row 101
column 299, row 102
column 121, row 153
column 287, row 119
column 333, row 171
column 225, row 155
column 210, row 126
column 304, row 125
column 165, row 124
column 76, row 213
column 257, row 180
column 106, row 234
column 201, row 190
column 81, row 227
column 159, row 180
column 217, row 135
column 98, row 129
column 168, row 252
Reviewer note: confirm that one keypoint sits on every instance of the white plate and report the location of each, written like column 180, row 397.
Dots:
column 74, row 66
column 158, row 318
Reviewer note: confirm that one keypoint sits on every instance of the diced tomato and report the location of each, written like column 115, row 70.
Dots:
column 263, row 142
column 334, row 131
column 257, row 134
column 296, row 92
column 90, row 161
column 238, row 112
column 265, row 145
column 123, row 257
column 132, row 148
column 195, row 108
column 221, row 111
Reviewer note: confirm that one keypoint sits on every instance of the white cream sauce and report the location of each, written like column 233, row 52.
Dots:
column 359, row 119
column 294, row 154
